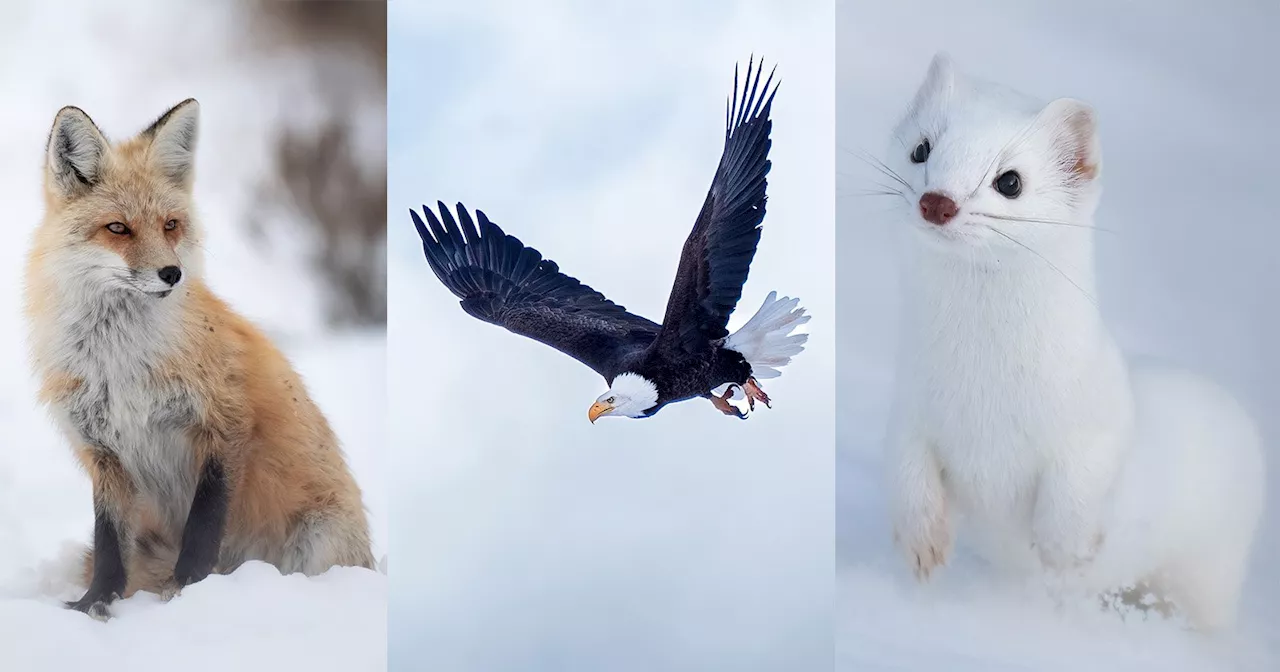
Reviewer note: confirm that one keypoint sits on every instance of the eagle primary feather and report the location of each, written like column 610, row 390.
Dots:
column 505, row 283
column 718, row 252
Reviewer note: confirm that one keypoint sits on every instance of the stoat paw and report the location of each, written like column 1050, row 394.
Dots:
column 1060, row 557
column 925, row 542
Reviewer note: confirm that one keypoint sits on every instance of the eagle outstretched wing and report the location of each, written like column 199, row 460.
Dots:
column 718, row 252
column 505, row 283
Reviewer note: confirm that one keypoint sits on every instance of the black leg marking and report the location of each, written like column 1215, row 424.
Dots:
column 202, row 536
column 108, row 567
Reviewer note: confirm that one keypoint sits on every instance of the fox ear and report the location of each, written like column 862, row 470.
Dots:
column 1074, row 125
column 173, row 141
column 75, row 152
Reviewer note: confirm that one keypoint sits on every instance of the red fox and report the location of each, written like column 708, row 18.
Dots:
column 204, row 449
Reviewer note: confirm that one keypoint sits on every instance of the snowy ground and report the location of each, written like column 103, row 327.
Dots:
column 1189, row 277
column 143, row 61
column 537, row 541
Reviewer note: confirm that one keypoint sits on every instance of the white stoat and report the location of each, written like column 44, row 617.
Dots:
column 1015, row 409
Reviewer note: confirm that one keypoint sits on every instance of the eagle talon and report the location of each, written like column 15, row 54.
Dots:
column 754, row 392
column 722, row 404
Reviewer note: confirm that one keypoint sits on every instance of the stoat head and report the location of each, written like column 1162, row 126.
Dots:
column 985, row 167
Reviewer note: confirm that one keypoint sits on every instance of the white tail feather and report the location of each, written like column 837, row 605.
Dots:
column 766, row 340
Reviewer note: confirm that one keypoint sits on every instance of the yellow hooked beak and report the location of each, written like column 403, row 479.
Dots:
column 598, row 409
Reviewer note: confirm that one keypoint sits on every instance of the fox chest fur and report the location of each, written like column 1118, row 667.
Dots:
column 122, row 401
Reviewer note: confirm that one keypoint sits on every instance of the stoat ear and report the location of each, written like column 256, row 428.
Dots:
column 1074, row 125
column 938, row 82
column 173, row 141
column 75, row 153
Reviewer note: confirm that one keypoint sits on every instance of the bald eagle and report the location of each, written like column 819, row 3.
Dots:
column 647, row 365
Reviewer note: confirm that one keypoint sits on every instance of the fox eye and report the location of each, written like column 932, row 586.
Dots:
column 921, row 153
column 1009, row 184
column 118, row 228
column 171, row 225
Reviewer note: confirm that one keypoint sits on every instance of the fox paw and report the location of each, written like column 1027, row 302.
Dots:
column 169, row 590
column 96, row 608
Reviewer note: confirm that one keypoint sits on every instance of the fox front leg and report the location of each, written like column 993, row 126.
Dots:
column 206, row 523
column 111, row 491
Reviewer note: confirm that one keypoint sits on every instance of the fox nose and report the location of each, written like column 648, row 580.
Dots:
column 937, row 208
column 170, row 275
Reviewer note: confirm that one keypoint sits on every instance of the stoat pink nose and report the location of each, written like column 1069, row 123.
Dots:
column 937, row 208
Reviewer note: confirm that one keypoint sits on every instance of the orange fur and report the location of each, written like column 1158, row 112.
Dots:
column 285, row 471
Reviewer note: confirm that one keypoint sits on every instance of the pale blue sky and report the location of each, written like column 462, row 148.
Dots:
column 527, row 538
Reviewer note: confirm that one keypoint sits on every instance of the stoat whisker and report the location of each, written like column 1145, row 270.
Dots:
column 871, row 160
column 882, row 190
column 873, row 192
column 1013, row 142
column 891, row 172
column 1033, row 220
column 887, row 187
column 1045, row 259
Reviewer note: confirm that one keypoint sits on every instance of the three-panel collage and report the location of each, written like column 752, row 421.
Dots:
column 560, row 336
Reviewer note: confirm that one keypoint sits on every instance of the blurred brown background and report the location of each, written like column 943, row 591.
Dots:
column 319, row 170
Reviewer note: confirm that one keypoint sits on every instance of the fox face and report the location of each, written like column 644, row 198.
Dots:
column 119, row 214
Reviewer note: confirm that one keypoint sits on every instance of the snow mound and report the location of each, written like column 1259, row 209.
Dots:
column 252, row 619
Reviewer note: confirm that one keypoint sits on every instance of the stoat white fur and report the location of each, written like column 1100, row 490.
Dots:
column 1015, row 409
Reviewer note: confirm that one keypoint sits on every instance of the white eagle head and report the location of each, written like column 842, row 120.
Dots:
column 629, row 397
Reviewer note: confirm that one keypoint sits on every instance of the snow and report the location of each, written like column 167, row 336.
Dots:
column 977, row 625
column 686, row 541
column 129, row 64
column 1186, row 277
column 253, row 619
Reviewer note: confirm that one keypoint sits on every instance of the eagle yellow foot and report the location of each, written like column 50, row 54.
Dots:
column 754, row 393
column 721, row 402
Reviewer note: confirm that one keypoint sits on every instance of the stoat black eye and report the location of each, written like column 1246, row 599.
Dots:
column 171, row 225
column 921, row 153
column 1009, row 184
column 118, row 228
